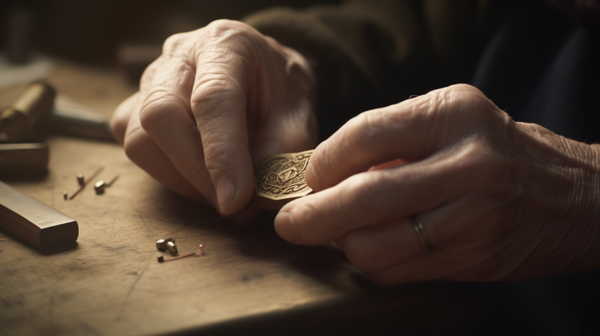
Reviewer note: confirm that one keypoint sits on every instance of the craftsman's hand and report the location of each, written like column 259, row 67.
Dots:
column 499, row 200
column 218, row 100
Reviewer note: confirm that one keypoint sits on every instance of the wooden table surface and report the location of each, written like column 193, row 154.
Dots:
column 248, row 281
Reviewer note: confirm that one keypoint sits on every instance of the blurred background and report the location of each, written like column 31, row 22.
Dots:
column 90, row 55
column 110, row 32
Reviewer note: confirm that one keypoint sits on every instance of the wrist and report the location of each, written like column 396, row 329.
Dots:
column 589, row 184
column 563, row 206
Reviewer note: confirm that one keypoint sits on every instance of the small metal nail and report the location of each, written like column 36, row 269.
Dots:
column 99, row 187
column 80, row 179
column 163, row 259
column 65, row 195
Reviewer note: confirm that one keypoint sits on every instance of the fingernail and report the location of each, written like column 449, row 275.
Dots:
column 284, row 227
column 225, row 192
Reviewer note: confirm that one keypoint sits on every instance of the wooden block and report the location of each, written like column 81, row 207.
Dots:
column 23, row 158
column 33, row 222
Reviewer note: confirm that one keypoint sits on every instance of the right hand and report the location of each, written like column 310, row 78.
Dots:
column 217, row 101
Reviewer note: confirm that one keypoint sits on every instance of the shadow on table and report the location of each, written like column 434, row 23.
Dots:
column 412, row 309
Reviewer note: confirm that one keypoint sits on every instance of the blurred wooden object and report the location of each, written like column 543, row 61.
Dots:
column 33, row 222
column 248, row 281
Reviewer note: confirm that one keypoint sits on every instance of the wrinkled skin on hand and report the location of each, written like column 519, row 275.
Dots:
column 500, row 200
column 217, row 101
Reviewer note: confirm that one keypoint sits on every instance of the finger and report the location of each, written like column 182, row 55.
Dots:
column 374, row 197
column 380, row 247
column 121, row 117
column 142, row 150
column 463, row 247
column 220, row 103
column 366, row 199
column 291, row 125
column 166, row 117
column 411, row 129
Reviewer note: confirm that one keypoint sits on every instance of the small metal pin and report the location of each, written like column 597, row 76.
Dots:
column 198, row 252
column 65, row 195
column 80, row 179
column 163, row 259
column 101, row 185
column 82, row 185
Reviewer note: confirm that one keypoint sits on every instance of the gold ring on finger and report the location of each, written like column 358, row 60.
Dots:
column 421, row 233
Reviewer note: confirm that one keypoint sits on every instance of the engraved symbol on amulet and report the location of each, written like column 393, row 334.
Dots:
column 282, row 176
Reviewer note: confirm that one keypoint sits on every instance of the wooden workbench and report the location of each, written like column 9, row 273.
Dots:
column 248, row 281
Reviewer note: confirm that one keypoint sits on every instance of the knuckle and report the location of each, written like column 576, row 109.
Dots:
column 149, row 72
column 213, row 94
column 218, row 153
column 174, row 43
column 136, row 143
column 484, row 161
column 224, row 27
column 156, row 108
column 119, row 127
column 225, row 39
column 464, row 104
column 372, row 123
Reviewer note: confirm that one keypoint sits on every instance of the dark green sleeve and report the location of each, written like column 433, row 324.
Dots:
column 371, row 53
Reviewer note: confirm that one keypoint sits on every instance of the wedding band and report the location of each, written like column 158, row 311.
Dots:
column 421, row 233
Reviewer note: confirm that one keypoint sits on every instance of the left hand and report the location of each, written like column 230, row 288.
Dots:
column 500, row 200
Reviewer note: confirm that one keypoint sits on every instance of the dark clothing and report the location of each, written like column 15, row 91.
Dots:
column 526, row 56
column 543, row 69
column 372, row 53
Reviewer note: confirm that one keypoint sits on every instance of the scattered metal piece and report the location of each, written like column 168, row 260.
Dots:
column 161, row 244
column 200, row 250
column 80, row 179
column 65, row 195
column 101, row 185
column 81, row 186
column 172, row 248
column 163, row 259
